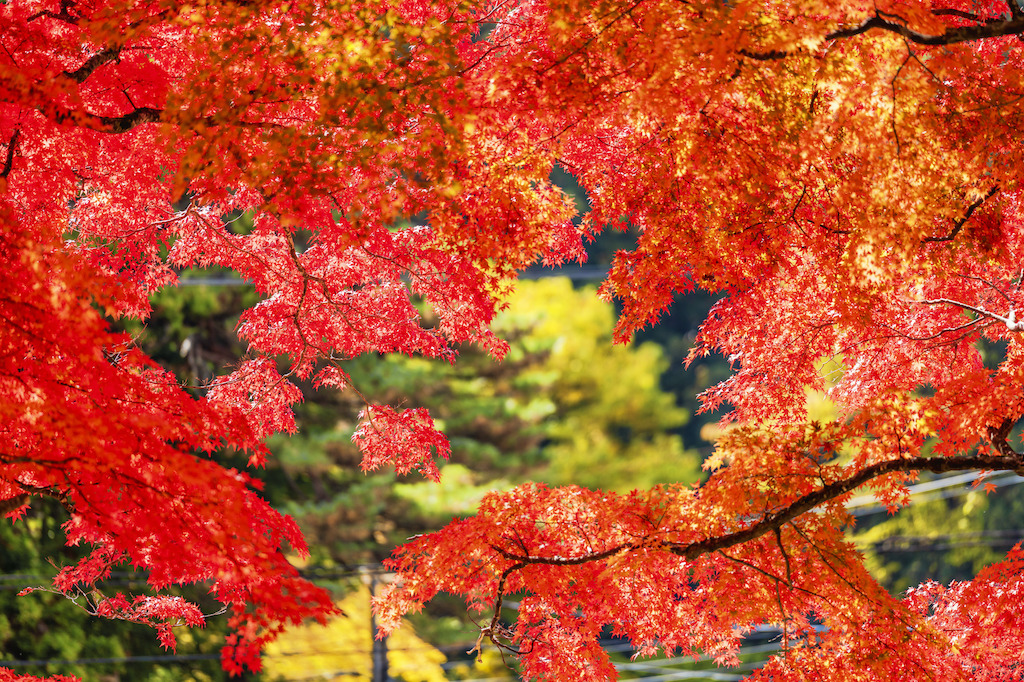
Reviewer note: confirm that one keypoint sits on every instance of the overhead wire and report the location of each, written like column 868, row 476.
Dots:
column 581, row 273
column 943, row 488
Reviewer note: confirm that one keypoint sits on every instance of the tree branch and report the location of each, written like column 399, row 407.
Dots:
column 947, row 330
column 808, row 502
column 64, row 14
column 946, row 12
column 12, row 503
column 493, row 630
column 102, row 57
column 107, row 124
column 9, row 159
column 121, row 124
column 951, row 36
column 1009, row 460
column 963, row 219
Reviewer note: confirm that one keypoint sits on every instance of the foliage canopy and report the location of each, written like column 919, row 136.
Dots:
column 845, row 175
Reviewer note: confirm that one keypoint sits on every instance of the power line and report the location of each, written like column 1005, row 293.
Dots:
column 165, row 658
column 582, row 273
column 937, row 484
column 864, row 505
column 992, row 539
column 695, row 674
column 15, row 582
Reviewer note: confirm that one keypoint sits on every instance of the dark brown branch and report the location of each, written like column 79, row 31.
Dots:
column 785, row 556
column 958, row 225
column 947, row 330
column 951, row 36
column 998, row 435
column 121, row 124
column 770, row 575
column 10, row 504
column 946, row 12
column 493, row 630
column 92, row 63
column 559, row 561
column 990, row 285
column 831, row 491
column 64, row 14
column 9, row 158
column 108, row 124
column 768, row 56
column 1009, row 460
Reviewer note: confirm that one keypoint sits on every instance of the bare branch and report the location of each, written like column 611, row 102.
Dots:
column 493, row 629
column 1010, row 320
column 947, row 330
column 945, row 12
column 833, row 490
column 559, row 561
column 990, row 285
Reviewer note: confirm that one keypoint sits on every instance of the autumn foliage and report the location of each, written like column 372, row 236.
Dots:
column 846, row 175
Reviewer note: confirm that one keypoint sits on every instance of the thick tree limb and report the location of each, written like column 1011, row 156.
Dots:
column 494, row 631
column 1009, row 460
column 102, row 57
column 121, row 124
column 12, row 503
column 777, row 519
column 9, row 157
column 106, row 124
column 63, row 15
column 115, row 125
column 951, row 36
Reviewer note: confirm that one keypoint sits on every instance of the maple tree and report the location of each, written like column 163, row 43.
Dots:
column 845, row 174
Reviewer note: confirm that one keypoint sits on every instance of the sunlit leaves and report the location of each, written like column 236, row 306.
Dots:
column 846, row 177
column 406, row 439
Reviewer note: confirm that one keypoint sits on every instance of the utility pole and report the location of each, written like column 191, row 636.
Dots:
column 380, row 644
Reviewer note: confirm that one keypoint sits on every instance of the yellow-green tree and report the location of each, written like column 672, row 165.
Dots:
column 344, row 647
column 611, row 424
